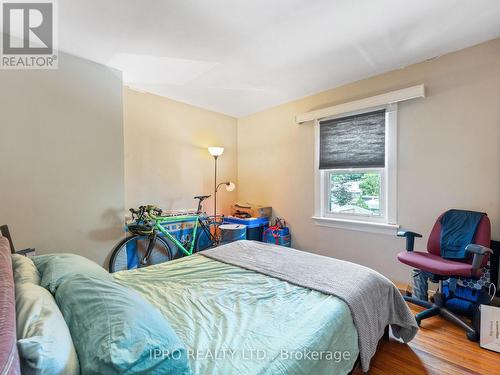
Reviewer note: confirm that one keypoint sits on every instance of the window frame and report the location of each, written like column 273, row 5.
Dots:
column 385, row 223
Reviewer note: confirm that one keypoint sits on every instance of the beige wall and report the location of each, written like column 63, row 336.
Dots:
column 166, row 157
column 62, row 170
column 449, row 155
column 61, row 153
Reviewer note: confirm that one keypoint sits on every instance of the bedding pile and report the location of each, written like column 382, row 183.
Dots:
column 374, row 300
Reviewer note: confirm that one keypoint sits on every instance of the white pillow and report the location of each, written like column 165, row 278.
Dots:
column 43, row 338
column 25, row 270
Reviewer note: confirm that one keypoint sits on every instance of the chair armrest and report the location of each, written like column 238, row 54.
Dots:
column 479, row 253
column 410, row 238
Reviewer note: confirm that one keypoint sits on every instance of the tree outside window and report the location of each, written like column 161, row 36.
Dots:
column 355, row 193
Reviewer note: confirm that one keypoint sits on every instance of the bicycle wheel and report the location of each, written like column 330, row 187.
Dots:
column 129, row 252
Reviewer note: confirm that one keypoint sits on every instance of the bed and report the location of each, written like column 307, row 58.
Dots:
column 243, row 318
column 246, row 319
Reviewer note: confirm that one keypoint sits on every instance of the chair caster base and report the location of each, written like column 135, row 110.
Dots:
column 438, row 309
column 472, row 336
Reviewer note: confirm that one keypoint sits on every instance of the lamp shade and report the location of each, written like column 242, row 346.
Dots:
column 216, row 151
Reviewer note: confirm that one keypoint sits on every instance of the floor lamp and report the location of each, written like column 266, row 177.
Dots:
column 216, row 152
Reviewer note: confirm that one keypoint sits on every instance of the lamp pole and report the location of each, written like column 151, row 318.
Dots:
column 215, row 188
column 215, row 152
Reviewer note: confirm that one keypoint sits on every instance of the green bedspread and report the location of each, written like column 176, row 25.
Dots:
column 236, row 321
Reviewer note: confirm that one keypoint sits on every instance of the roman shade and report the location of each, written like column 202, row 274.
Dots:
column 353, row 142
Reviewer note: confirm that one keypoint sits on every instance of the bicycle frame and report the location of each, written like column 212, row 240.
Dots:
column 178, row 219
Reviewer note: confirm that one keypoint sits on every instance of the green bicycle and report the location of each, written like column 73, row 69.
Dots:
column 151, row 243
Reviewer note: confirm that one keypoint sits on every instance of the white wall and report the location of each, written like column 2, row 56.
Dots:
column 449, row 155
column 166, row 157
column 61, row 153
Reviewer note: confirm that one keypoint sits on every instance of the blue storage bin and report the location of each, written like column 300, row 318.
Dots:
column 232, row 232
column 255, row 226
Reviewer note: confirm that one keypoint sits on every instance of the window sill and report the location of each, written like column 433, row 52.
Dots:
column 364, row 226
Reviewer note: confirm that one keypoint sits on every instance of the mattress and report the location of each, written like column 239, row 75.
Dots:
column 234, row 320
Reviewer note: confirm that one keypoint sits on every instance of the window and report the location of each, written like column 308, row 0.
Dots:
column 356, row 168
column 355, row 193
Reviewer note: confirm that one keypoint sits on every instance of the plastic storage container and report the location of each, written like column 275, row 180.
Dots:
column 255, row 226
column 233, row 232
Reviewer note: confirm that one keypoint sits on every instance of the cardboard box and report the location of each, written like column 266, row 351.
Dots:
column 254, row 210
column 490, row 328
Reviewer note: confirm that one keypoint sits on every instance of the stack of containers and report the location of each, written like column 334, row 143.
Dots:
column 255, row 226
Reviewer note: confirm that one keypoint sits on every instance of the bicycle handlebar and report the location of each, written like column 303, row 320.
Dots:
column 150, row 210
column 136, row 213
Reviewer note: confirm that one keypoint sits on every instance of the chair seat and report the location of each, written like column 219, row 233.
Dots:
column 435, row 264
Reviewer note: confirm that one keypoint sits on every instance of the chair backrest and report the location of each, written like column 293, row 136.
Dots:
column 482, row 237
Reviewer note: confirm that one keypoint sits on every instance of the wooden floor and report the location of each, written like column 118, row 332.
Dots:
column 440, row 347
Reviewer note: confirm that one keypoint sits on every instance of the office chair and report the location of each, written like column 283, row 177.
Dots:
column 442, row 269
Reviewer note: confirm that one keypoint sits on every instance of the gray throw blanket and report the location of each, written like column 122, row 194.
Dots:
column 374, row 301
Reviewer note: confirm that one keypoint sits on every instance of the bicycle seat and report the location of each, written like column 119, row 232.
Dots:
column 202, row 197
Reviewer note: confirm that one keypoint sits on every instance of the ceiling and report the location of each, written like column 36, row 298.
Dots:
column 239, row 57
